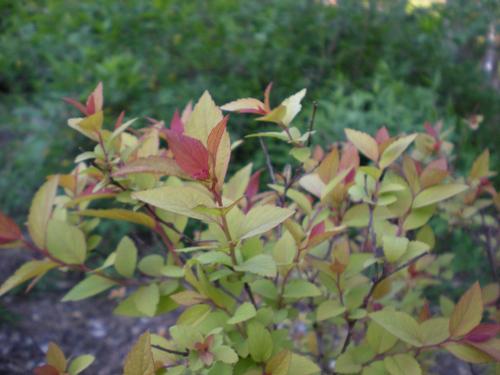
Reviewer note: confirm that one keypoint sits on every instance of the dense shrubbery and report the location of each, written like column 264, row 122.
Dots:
column 323, row 268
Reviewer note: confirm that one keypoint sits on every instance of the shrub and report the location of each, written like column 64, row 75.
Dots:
column 324, row 269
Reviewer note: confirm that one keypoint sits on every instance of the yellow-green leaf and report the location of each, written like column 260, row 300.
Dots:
column 261, row 219
column 66, row 242
column 146, row 299
column 139, row 360
column 40, row 211
column 434, row 331
column 365, row 143
column 120, row 214
column 395, row 149
column 80, row 363
column 243, row 313
column 29, row 270
column 260, row 343
column 394, row 247
column 437, row 193
column 467, row 313
column 329, row 309
column 467, row 353
column 126, row 257
column 399, row 324
column 402, row 364
column 92, row 285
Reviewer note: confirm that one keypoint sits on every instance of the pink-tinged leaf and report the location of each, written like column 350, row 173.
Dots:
column 95, row 100
column 9, row 231
column 483, row 332
column 253, row 185
column 245, row 105
column 215, row 137
column 76, row 104
column 190, row 155
column 119, row 120
column 349, row 160
column 186, row 112
column 382, row 135
column 441, row 164
column 267, row 95
column 317, row 230
column 431, row 131
column 176, row 123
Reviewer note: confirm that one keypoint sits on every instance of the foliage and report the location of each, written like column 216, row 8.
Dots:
column 322, row 270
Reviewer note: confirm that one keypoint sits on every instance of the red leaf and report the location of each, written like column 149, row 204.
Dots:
column 95, row 100
column 215, row 137
column 46, row 370
column 253, row 185
column 431, row 131
column 76, row 104
column 119, row 120
column 382, row 135
column 441, row 164
column 483, row 332
column 267, row 94
column 176, row 123
column 9, row 231
column 317, row 229
column 190, row 154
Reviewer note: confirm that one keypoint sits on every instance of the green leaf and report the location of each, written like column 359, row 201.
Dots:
column 346, row 364
column 139, row 360
column 80, row 363
column 194, row 315
column 126, row 257
column 419, row 217
column 379, row 339
column 265, row 288
column 152, row 265
column 260, row 343
column 146, row 299
column 285, row 250
column 66, row 242
column 182, row 201
column 402, row 364
column 329, row 309
column 261, row 264
column 261, row 219
column 363, row 142
column 237, row 184
column 29, row 270
column 437, row 193
column 467, row 313
column 434, row 331
column 395, row 149
column 394, row 247
column 92, row 285
column 301, row 365
column 300, row 153
column 225, row 354
column 467, row 353
column 244, row 312
column 301, row 289
column 399, row 324
column 40, row 211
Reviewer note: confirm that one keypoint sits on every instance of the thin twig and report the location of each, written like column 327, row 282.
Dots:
column 311, row 122
column 171, row 351
column 268, row 160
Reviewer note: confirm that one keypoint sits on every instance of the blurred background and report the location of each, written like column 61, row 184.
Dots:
column 367, row 63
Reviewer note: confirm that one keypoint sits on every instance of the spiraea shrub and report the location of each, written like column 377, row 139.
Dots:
column 320, row 267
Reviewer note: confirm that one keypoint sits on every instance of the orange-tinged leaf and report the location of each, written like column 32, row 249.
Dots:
column 29, row 270
column 467, row 313
column 481, row 166
column 55, row 357
column 363, row 142
column 120, row 214
column 215, row 138
column 46, row 370
column 9, row 231
column 158, row 165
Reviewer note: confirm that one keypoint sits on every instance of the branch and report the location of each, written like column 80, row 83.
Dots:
column 311, row 122
column 268, row 159
column 171, row 351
